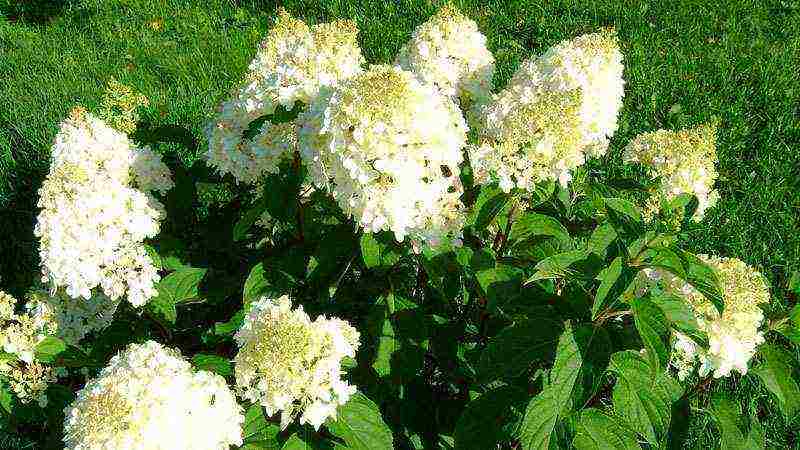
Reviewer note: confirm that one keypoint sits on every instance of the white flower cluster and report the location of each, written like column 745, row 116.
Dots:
column 734, row 335
column 19, row 336
column 388, row 149
column 450, row 52
column 294, row 62
column 289, row 363
column 95, row 212
column 556, row 110
column 148, row 398
column 71, row 319
column 683, row 160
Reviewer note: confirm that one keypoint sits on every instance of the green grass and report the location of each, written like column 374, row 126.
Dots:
column 686, row 62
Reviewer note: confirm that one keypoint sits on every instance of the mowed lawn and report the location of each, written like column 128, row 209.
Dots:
column 687, row 61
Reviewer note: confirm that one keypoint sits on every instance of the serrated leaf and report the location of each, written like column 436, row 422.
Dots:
column 602, row 237
column 531, row 224
column 359, row 423
column 733, row 436
column 556, row 266
column 213, row 363
column 178, row 287
column 258, row 431
column 681, row 316
column 598, row 431
column 248, row 219
column 378, row 251
column 704, row 279
column 490, row 202
column 513, row 349
column 775, row 372
column 477, row 427
column 295, row 442
column 544, row 410
column 608, row 278
column 653, row 329
column 623, row 214
column 663, row 258
column 49, row 348
column 642, row 399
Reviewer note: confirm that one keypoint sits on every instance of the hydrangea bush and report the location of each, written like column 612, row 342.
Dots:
column 386, row 256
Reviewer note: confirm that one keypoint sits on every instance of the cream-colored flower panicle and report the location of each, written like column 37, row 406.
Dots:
column 450, row 52
column 683, row 161
column 149, row 398
column 71, row 319
column 556, row 111
column 734, row 335
column 96, row 212
column 19, row 336
column 293, row 63
column 388, row 148
column 289, row 363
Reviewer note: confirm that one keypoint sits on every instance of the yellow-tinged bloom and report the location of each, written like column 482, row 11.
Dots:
column 683, row 161
column 149, row 398
column 292, row 64
column 734, row 335
column 289, row 363
column 557, row 110
column 450, row 52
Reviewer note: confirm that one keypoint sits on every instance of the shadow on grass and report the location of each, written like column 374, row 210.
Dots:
column 36, row 12
column 20, row 261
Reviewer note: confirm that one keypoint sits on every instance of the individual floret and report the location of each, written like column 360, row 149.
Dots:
column 556, row 111
column 149, row 398
column 96, row 212
column 289, row 363
column 293, row 63
column 388, row 148
column 70, row 319
column 734, row 335
column 682, row 160
column 450, row 52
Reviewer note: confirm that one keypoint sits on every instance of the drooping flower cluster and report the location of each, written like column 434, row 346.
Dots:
column 557, row 110
column 450, row 52
column 734, row 335
column 289, row 363
column 293, row 63
column 683, row 161
column 388, row 148
column 96, row 212
column 148, row 398
column 19, row 336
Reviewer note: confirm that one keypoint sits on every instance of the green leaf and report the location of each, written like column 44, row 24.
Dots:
column 360, row 425
column 640, row 398
column 704, row 279
column 653, row 329
column 178, row 287
column 663, row 258
column 478, row 426
column 513, row 350
column 531, row 224
column 257, row 431
column 379, row 250
column 681, row 316
column 791, row 326
column 598, row 431
column 213, row 363
column 490, row 202
column 794, row 282
column 557, row 266
column 295, row 442
column 608, row 278
column 544, row 410
column 775, row 371
column 733, row 435
column 49, row 348
column 247, row 220
column 602, row 237
column 623, row 214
